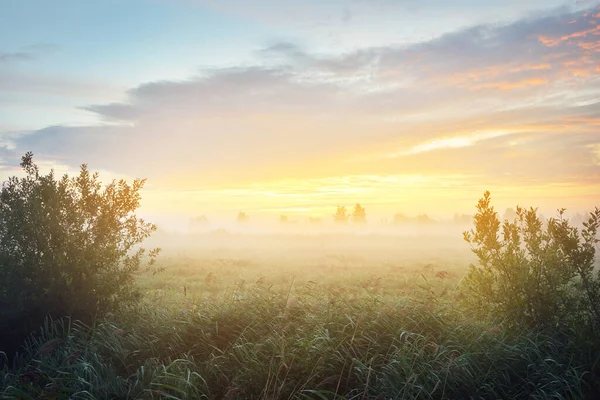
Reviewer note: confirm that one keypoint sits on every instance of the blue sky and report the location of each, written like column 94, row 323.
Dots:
column 208, row 98
column 80, row 51
column 76, row 51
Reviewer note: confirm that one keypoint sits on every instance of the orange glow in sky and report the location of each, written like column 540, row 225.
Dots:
column 298, row 108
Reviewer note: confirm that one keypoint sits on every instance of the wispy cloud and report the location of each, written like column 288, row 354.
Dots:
column 595, row 148
column 16, row 56
column 453, row 142
column 27, row 53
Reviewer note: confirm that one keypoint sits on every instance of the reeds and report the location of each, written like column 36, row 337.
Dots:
column 321, row 343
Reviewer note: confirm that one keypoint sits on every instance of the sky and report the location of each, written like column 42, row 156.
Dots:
column 294, row 107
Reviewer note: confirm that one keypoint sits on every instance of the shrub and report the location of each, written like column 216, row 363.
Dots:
column 533, row 273
column 68, row 247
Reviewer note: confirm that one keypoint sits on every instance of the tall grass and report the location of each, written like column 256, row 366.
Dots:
column 307, row 342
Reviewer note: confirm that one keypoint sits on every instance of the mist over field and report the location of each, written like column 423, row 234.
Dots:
column 303, row 253
column 299, row 199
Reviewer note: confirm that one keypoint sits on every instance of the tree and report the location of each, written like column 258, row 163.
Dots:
column 359, row 215
column 400, row 218
column 534, row 273
column 68, row 247
column 202, row 220
column 463, row 219
column 283, row 219
column 242, row 217
column 341, row 215
column 424, row 219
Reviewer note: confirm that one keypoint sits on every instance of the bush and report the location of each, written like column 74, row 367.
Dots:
column 533, row 273
column 68, row 247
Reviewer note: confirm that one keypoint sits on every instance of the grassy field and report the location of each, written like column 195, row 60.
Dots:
column 299, row 317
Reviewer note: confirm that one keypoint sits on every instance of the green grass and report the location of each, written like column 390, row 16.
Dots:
column 334, row 328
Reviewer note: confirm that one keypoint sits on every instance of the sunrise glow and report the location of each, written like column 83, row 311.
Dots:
column 298, row 108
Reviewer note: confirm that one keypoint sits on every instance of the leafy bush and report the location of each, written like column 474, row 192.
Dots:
column 68, row 247
column 534, row 273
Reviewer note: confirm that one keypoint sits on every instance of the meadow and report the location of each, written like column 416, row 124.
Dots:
column 299, row 317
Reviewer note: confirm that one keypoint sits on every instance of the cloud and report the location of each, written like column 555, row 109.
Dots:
column 299, row 113
column 70, row 87
column 16, row 56
column 494, row 52
column 453, row 142
column 27, row 53
column 346, row 16
column 595, row 149
column 232, row 91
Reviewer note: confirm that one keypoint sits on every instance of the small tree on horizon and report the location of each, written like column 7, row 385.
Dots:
column 201, row 220
column 462, row 218
column 400, row 218
column 242, row 217
column 341, row 215
column 424, row 219
column 359, row 215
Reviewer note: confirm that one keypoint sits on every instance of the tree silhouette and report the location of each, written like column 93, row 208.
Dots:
column 341, row 216
column 359, row 215
column 199, row 221
column 463, row 218
column 283, row 219
column 424, row 219
column 400, row 218
column 242, row 217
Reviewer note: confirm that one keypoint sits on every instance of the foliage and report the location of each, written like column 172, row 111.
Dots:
column 463, row 219
column 309, row 344
column 424, row 219
column 201, row 220
column 342, row 338
column 68, row 247
column 534, row 273
column 359, row 215
column 341, row 215
column 400, row 218
column 242, row 217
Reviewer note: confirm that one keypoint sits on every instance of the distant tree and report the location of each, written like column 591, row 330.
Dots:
column 283, row 219
column 424, row 219
column 578, row 219
column 242, row 217
column 463, row 219
column 359, row 215
column 400, row 218
column 199, row 221
column 341, row 216
column 68, row 247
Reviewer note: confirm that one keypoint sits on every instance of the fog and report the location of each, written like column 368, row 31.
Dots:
column 299, row 244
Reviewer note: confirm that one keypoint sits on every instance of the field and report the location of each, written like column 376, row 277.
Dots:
column 298, row 317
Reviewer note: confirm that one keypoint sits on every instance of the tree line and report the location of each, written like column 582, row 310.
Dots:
column 358, row 215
